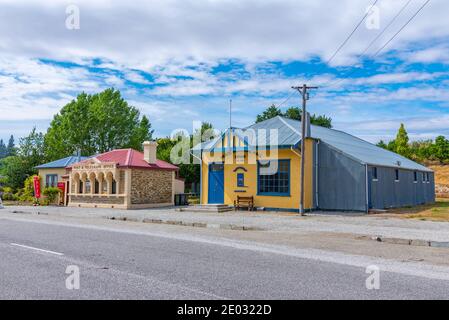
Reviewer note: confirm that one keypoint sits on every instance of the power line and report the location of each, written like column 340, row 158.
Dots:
column 327, row 85
column 338, row 49
column 402, row 28
column 351, row 34
column 386, row 28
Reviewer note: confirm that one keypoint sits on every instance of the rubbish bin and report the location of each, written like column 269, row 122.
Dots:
column 181, row 199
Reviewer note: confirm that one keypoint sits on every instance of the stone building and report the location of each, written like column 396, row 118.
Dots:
column 124, row 179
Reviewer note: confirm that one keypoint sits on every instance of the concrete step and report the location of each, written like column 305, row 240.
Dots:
column 209, row 208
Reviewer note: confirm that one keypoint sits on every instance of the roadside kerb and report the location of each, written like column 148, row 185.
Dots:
column 412, row 242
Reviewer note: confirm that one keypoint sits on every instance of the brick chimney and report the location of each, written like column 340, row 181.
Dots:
column 149, row 151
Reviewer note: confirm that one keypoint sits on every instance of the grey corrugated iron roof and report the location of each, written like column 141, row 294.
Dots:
column 62, row 163
column 289, row 135
column 356, row 148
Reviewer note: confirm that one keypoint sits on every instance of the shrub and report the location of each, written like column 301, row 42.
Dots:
column 51, row 193
column 26, row 194
column 7, row 194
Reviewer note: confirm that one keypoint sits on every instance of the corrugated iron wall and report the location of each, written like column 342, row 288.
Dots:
column 341, row 181
column 388, row 193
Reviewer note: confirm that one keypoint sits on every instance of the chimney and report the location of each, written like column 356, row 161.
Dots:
column 149, row 151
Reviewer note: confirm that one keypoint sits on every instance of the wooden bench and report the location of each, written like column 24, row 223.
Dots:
column 244, row 202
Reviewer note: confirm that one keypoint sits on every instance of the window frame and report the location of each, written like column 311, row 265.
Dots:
column 51, row 178
column 274, row 193
column 240, row 180
column 396, row 175
column 375, row 174
column 415, row 176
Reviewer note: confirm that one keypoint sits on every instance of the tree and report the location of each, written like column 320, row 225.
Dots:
column 142, row 132
column 401, row 142
column 294, row 113
column 270, row 113
column 3, row 149
column 382, row 144
column 94, row 124
column 30, row 153
column 13, row 169
column 11, row 149
column 190, row 172
column 441, row 149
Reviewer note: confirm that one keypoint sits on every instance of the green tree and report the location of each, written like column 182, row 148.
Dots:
column 440, row 149
column 13, row 169
column 401, row 142
column 11, row 148
column 382, row 144
column 142, row 132
column 19, row 167
column 421, row 150
column 270, row 113
column 294, row 113
column 3, row 149
column 95, row 124
column 190, row 172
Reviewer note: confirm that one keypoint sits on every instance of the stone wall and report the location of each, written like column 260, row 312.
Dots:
column 151, row 187
column 121, row 187
column 97, row 200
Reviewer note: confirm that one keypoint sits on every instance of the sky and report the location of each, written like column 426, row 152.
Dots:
column 180, row 61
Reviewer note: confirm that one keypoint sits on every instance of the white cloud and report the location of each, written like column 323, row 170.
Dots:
column 179, row 42
column 147, row 34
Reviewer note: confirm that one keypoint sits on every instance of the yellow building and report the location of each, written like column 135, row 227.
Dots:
column 241, row 163
column 53, row 172
column 342, row 172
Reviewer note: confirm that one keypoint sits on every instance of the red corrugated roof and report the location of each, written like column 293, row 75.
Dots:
column 130, row 158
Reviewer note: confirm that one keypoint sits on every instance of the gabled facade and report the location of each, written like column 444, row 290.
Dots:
column 342, row 172
column 124, row 179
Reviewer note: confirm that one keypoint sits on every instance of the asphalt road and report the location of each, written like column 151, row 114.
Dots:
column 124, row 265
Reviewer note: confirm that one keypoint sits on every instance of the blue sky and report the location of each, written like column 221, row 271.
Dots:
column 181, row 61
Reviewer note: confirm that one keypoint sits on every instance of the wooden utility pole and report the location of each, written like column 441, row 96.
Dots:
column 305, row 96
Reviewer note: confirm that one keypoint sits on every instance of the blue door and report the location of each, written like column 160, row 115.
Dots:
column 216, row 183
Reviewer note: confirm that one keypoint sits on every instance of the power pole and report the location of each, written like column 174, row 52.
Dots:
column 303, row 90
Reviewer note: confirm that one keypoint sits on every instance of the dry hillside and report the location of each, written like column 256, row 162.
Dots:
column 441, row 180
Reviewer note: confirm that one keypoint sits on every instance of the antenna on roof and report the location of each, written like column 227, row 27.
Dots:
column 230, row 113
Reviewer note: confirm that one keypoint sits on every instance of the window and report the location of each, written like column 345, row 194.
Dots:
column 396, row 174
column 114, row 187
column 51, row 180
column 88, row 187
column 97, row 187
column 427, row 177
column 423, row 177
column 274, row 178
column 240, row 180
column 80, row 190
column 415, row 177
column 375, row 174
